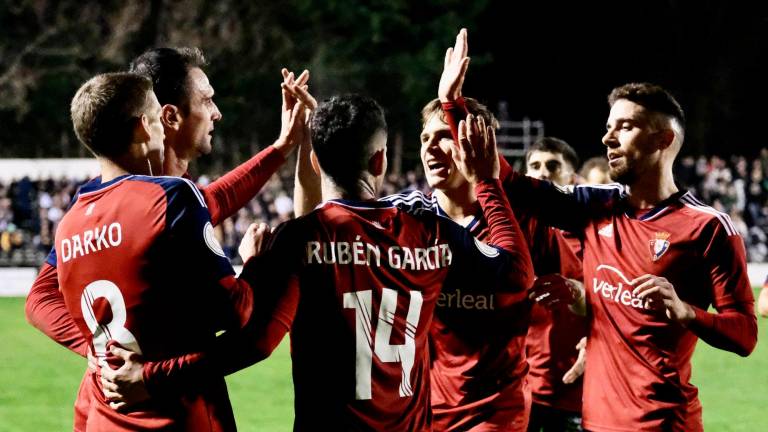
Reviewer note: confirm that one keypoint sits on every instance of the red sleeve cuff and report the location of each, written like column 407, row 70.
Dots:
column 459, row 104
column 702, row 319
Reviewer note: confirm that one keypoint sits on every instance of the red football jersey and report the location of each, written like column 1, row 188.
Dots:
column 550, row 345
column 138, row 266
column 638, row 361
column 636, row 354
column 369, row 276
column 477, row 344
column 45, row 307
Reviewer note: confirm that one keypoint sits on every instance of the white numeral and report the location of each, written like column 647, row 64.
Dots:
column 113, row 330
column 386, row 352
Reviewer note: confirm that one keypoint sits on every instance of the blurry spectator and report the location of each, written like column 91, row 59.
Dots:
column 283, row 206
column 595, row 171
column 30, row 210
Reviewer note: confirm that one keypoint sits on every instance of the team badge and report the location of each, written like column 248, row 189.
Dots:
column 485, row 249
column 659, row 245
column 210, row 240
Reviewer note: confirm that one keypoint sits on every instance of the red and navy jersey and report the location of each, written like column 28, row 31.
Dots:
column 138, row 266
column 638, row 369
column 367, row 277
column 550, row 345
column 477, row 341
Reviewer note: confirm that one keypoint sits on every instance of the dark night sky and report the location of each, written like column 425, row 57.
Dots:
column 558, row 63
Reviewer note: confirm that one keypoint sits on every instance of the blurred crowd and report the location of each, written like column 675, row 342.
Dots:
column 31, row 209
column 736, row 186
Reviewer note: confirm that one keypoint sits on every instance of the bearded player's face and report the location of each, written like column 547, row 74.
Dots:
column 631, row 142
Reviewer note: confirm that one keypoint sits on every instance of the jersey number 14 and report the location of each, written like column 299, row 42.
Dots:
column 365, row 346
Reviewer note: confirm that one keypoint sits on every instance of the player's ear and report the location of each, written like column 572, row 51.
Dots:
column 315, row 163
column 665, row 138
column 378, row 162
column 141, row 130
column 171, row 117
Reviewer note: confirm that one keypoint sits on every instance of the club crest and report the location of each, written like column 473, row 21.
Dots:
column 659, row 245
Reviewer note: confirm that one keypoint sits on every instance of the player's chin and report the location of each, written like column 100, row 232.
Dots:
column 436, row 182
column 205, row 147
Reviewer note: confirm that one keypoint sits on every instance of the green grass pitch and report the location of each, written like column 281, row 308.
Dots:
column 39, row 379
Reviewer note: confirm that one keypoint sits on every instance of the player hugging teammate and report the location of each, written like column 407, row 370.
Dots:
column 475, row 307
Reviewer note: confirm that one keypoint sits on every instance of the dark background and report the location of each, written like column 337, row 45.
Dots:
column 551, row 61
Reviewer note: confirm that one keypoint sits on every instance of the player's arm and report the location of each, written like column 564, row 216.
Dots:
column 231, row 351
column 190, row 230
column 549, row 203
column 45, row 309
column 567, row 209
column 734, row 326
column 307, row 193
column 476, row 157
column 235, row 189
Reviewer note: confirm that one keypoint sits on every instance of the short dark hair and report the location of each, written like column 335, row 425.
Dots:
column 105, row 110
column 554, row 145
column 473, row 106
column 652, row 97
column 342, row 129
column 168, row 68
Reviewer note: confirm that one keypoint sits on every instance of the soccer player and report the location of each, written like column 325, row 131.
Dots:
column 555, row 342
column 188, row 117
column 655, row 259
column 477, row 340
column 136, row 254
column 361, row 277
column 478, row 376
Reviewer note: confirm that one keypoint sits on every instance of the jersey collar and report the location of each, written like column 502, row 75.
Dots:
column 655, row 211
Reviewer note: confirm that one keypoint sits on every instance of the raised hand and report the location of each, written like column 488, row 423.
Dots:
column 454, row 69
column 292, row 132
column 475, row 154
column 124, row 387
column 298, row 89
column 658, row 293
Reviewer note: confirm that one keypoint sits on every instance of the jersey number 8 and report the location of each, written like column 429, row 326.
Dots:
column 114, row 329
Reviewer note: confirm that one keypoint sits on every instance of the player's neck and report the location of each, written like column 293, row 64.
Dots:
column 460, row 204
column 111, row 170
column 362, row 191
column 173, row 164
column 650, row 190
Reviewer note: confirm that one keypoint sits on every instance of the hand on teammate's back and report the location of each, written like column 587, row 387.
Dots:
column 254, row 241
